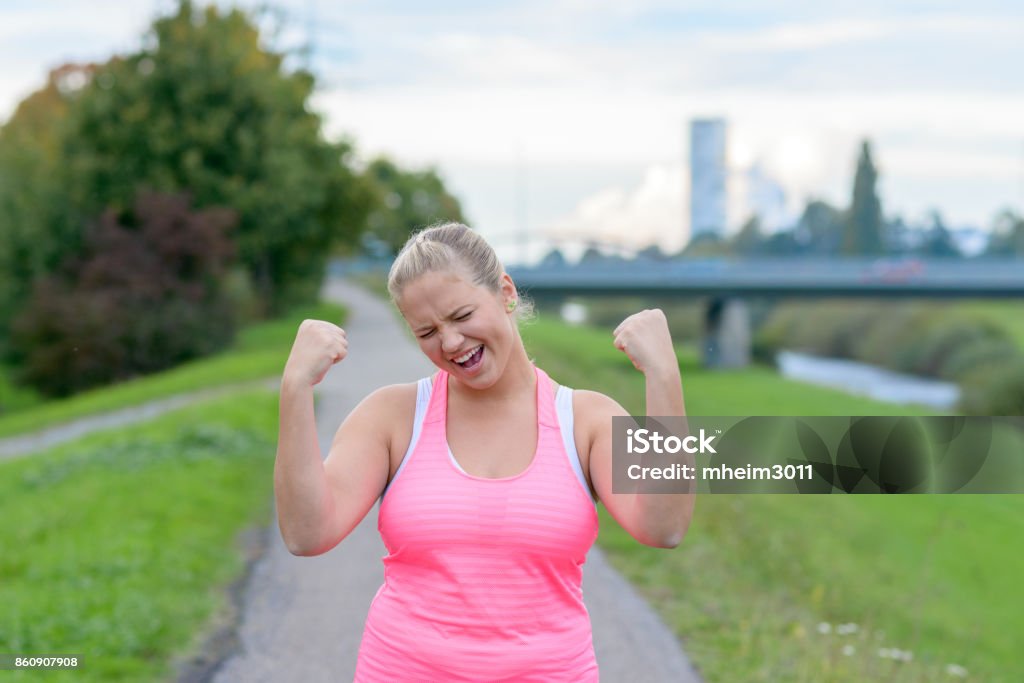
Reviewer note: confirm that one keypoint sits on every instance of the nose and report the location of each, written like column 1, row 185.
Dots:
column 451, row 340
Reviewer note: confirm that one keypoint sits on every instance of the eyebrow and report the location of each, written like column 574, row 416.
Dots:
column 453, row 314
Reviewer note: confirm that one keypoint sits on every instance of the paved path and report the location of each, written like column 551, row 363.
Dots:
column 302, row 618
column 34, row 442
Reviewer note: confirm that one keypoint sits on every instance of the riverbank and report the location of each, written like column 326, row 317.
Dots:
column 975, row 345
column 861, row 379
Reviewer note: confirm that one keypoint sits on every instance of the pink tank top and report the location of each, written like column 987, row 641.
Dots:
column 483, row 577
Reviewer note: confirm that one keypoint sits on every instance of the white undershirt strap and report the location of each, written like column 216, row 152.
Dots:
column 563, row 406
column 423, row 389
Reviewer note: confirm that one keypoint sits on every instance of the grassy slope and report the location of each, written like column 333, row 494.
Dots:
column 121, row 542
column 937, row 576
column 117, row 547
column 259, row 352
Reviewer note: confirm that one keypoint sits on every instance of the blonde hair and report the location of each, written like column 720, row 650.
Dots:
column 451, row 247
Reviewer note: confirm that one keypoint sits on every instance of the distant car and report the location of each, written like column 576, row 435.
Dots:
column 894, row 270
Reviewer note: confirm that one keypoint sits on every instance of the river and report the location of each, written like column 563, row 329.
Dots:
column 868, row 380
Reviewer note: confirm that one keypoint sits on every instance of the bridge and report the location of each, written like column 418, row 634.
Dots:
column 728, row 282
column 798, row 277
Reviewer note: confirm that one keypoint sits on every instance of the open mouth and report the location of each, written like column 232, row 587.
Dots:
column 471, row 359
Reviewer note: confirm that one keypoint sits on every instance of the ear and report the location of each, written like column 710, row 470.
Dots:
column 508, row 289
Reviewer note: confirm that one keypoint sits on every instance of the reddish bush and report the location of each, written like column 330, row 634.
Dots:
column 145, row 294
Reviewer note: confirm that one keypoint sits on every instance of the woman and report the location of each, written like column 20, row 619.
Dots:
column 487, row 475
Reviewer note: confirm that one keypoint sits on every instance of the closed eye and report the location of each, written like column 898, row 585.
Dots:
column 459, row 318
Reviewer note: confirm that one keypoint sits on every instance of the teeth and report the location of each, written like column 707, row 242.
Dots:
column 469, row 354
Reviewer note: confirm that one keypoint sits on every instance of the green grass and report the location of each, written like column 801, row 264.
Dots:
column 118, row 547
column 259, row 352
column 1006, row 314
column 937, row 576
column 756, row 575
column 587, row 359
column 14, row 397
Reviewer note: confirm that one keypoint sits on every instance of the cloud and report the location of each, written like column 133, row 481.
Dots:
column 797, row 36
column 47, row 29
column 508, row 59
column 815, row 35
column 655, row 212
column 609, row 82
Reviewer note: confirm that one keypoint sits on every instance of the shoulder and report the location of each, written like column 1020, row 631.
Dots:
column 388, row 396
column 588, row 403
column 385, row 416
column 388, row 403
column 593, row 411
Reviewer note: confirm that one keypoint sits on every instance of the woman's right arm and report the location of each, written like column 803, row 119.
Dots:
column 318, row 502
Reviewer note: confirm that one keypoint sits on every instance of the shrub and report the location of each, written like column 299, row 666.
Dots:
column 945, row 339
column 145, row 294
column 995, row 390
column 1006, row 394
column 993, row 352
column 823, row 328
column 894, row 329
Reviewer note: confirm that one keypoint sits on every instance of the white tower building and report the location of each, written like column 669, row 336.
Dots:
column 708, row 175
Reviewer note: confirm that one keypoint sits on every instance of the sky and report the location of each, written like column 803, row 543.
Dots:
column 569, row 118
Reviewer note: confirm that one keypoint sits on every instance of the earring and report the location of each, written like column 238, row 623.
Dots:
column 512, row 305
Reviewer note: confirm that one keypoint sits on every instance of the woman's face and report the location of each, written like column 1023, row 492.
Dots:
column 463, row 328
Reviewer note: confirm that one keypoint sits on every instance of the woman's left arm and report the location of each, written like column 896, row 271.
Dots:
column 655, row 519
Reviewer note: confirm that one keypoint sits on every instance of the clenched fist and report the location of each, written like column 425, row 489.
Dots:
column 645, row 338
column 318, row 346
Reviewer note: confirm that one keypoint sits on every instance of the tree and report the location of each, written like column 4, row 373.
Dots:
column 651, row 252
column 1007, row 235
column 406, row 201
column 938, row 242
column 897, row 236
column 593, row 256
column 35, row 231
column 553, row 259
column 863, row 234
column 820, row 228
column 705, row 245
column 782, row 243
column 749, row 239
column 206, row 109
